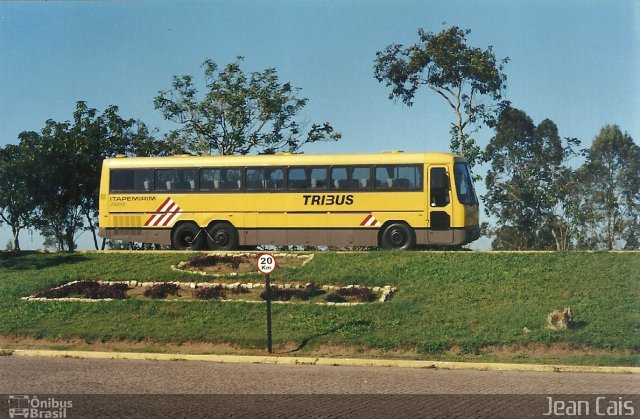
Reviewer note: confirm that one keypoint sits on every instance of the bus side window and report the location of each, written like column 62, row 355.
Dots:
column 254, row 178
column 143, row 180
column 360, row 177
column 439, row 187
column 274, row 179
column 209, row 179
column 301, row 178
column 338, row 178
column 231, row 179
column 121, row 180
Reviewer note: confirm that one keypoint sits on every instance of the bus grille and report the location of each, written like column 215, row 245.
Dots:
column 127, row 221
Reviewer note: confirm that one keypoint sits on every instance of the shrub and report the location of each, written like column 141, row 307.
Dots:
column 363, row 295
column 278, row 294
column 161, row 290
column 312, row 290
column 87, row 289
column 304, row 294
column 115, row 291
column 204, row 261
column 210, row 293
column 334, row 297
column 52, row 293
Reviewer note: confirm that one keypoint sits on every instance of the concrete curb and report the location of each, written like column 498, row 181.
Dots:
column 290, row 360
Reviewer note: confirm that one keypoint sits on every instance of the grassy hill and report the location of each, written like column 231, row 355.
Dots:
column 449, row 305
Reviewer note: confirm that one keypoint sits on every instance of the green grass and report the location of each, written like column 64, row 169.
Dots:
column 448, row 303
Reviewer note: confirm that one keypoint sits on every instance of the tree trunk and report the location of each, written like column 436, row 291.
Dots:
column 555, row 237
column 93, row 230
column 16, row 240
column 609, row 232
column 71, row 245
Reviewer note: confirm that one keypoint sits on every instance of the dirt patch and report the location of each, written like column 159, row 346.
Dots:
column 557, row 349
column 498, row 353
column 8, row 342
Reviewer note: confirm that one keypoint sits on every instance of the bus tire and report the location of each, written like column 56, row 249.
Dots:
column 222, row 236
column 397, row 236
column 186, row 236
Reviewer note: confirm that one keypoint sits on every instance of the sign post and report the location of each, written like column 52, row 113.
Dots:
column 267, row 264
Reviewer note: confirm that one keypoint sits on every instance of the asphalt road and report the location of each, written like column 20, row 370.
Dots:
column 132, row 388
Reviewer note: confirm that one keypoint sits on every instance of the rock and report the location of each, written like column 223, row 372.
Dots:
column 560, row 319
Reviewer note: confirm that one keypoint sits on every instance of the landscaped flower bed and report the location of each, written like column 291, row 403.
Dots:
column 94, row 290
column 162, row 290
column 236, row 264
column 90, row 289
column 310, row 291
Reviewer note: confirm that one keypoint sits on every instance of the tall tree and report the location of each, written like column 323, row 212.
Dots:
column 239, row 113
column 526, row 184
column 97, row 137
column 55, row 185
column 469, row 79
column 17, row 205
column 69, row 158
column 606, row 204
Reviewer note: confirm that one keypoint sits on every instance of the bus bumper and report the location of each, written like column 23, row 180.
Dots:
column 450, row 237
column 466, row 235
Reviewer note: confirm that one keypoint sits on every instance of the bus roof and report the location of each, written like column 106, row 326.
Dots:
column 284, row 159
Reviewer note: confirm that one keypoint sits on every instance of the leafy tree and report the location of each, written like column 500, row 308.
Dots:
column 98, row 137
column 465, row 77
column 54, row 185
column 239, row 112
column 17, row 205
column 69, row 157
column 527, row 183
column 606, row 203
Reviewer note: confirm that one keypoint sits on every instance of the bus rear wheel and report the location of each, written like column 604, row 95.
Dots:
column 186, row 236
column 222, row 236
column 397, row 236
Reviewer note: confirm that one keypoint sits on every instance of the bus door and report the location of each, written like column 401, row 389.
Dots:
column 439, row 218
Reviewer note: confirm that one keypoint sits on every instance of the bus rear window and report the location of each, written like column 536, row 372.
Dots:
column 464, row 184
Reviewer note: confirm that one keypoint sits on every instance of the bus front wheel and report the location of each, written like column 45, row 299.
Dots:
column 222, row 236
column 397, row 236
column 186, row 236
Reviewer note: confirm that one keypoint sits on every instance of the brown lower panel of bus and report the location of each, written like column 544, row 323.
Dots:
column 310, row 237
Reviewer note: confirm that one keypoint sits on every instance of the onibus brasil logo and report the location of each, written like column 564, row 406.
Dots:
column 23, row 406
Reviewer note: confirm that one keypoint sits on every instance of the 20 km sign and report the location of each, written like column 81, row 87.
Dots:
column 266, row 263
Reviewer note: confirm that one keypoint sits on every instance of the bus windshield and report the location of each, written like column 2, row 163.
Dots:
column 464, row 185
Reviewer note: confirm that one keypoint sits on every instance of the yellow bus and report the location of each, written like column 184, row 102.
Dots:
column 393, row 200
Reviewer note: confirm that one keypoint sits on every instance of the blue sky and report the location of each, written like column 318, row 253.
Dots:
column 574, row 61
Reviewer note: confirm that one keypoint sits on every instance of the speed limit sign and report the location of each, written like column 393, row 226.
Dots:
column 266, row 263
